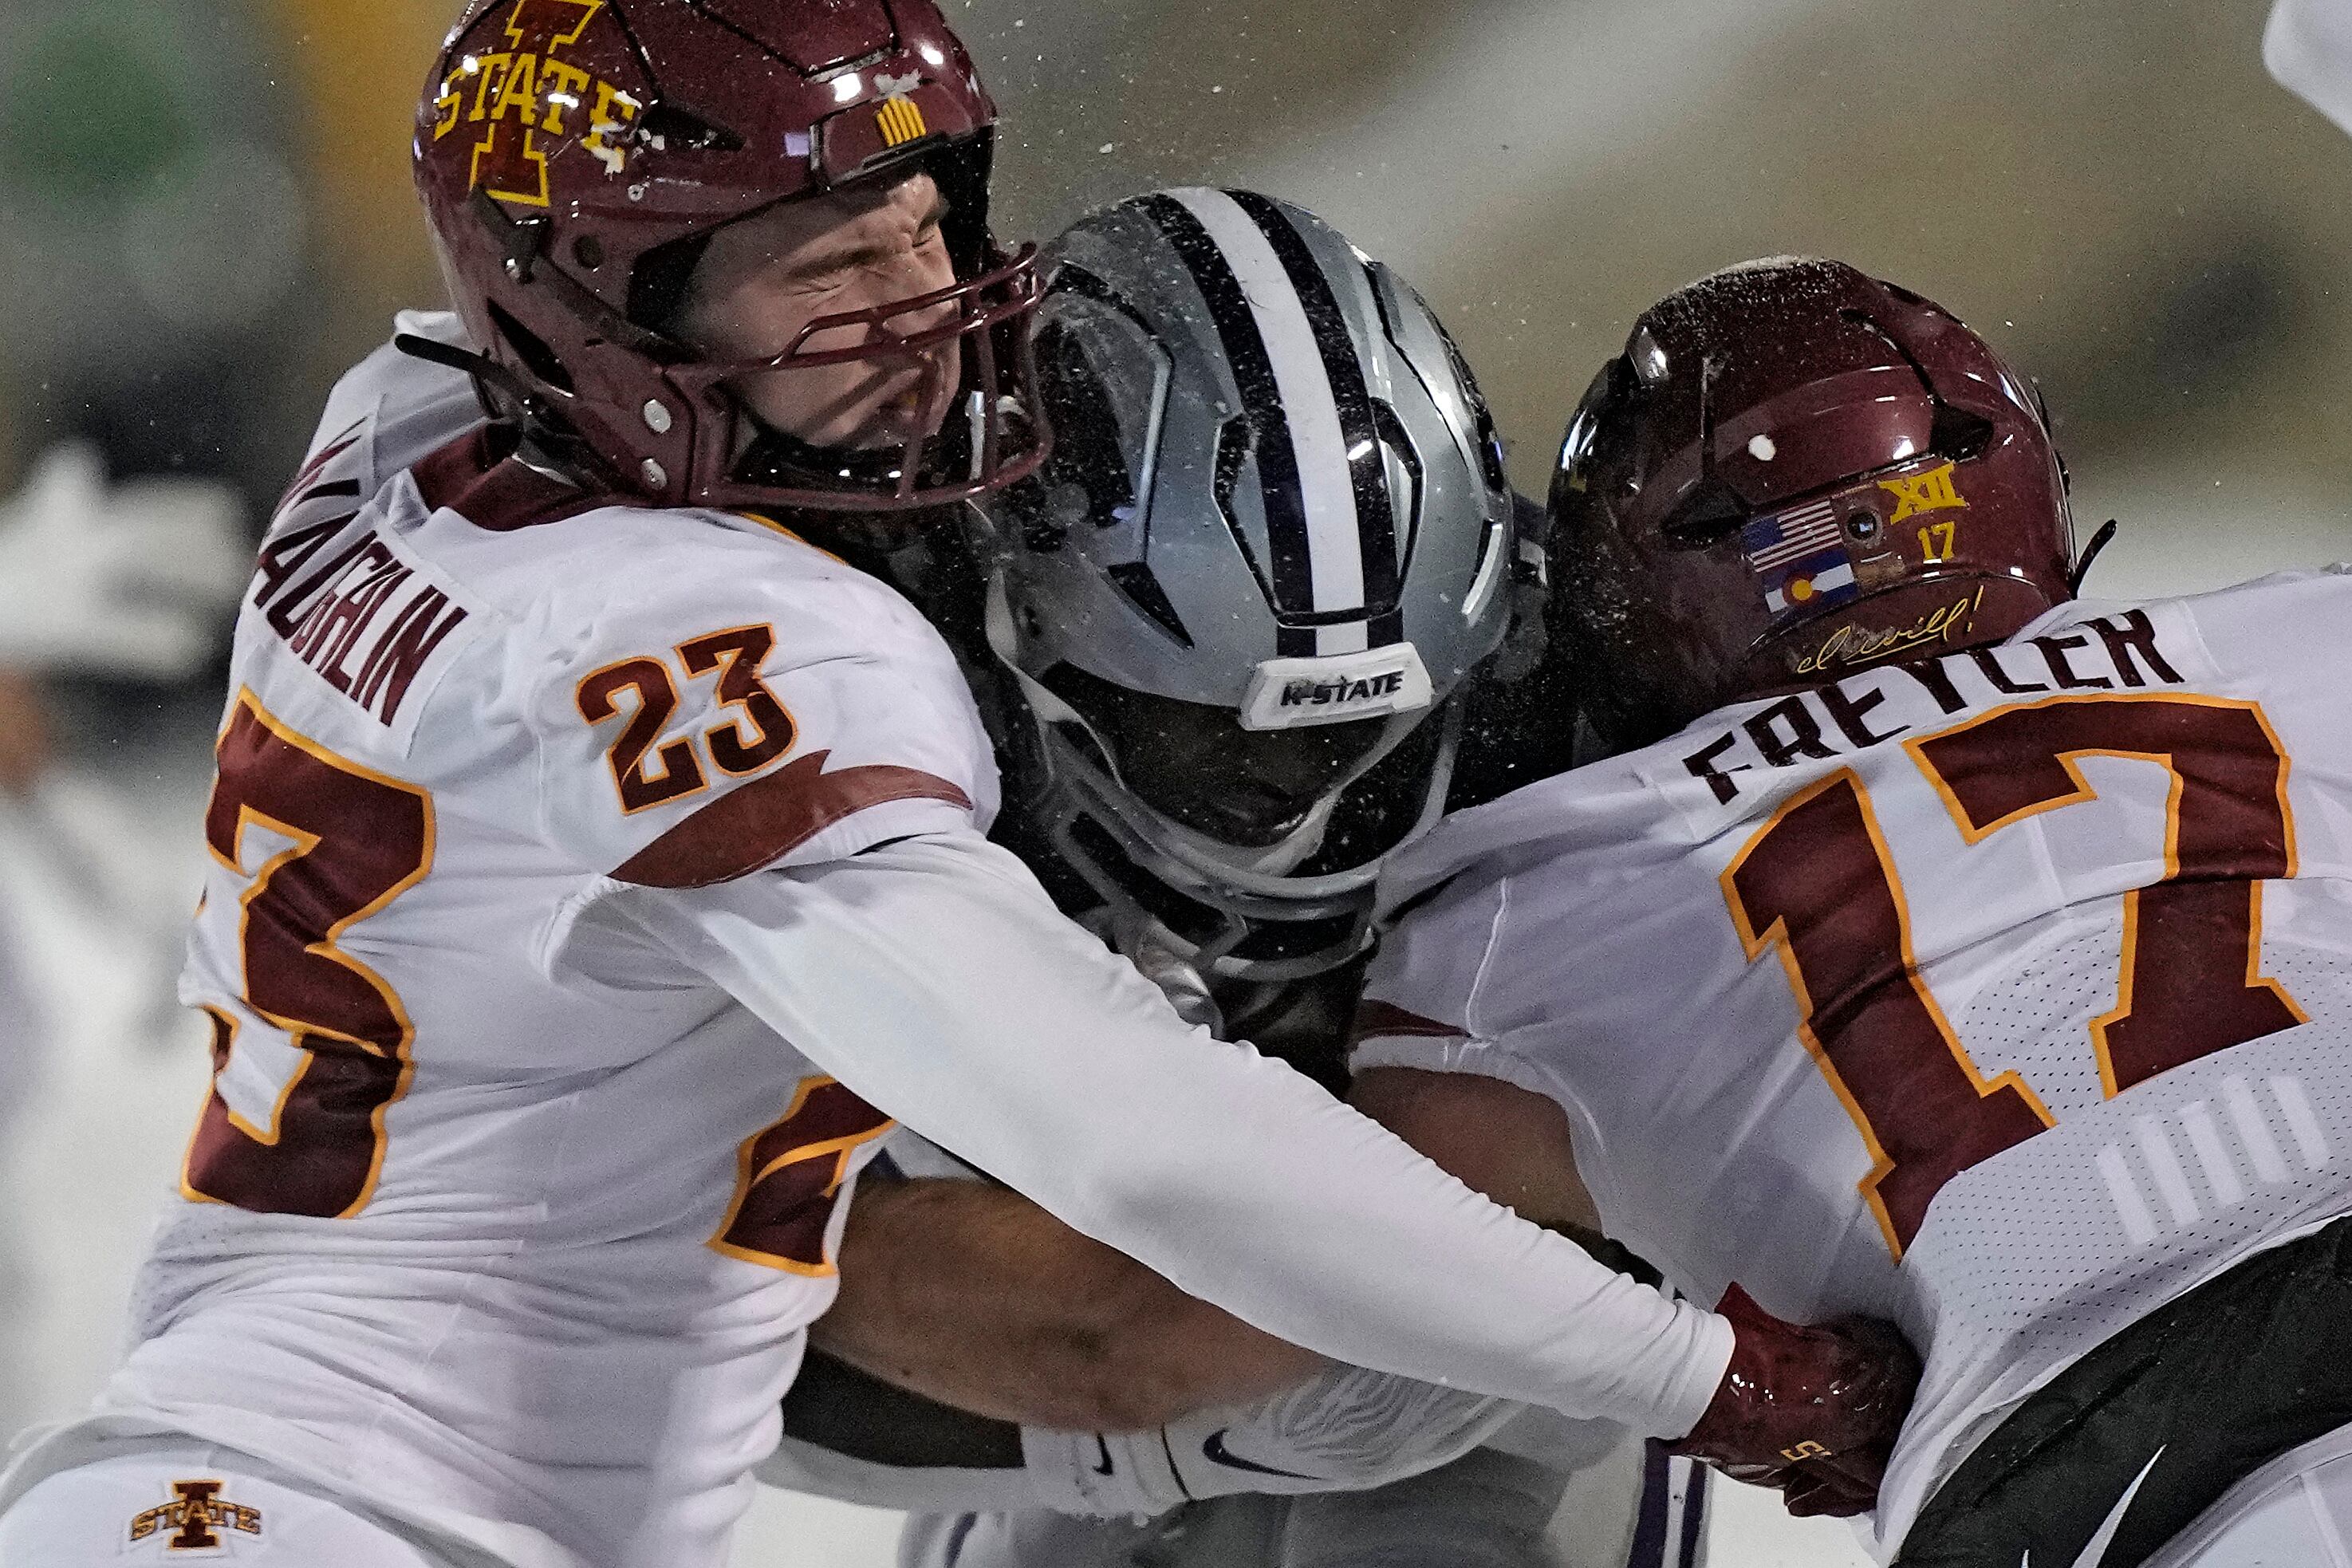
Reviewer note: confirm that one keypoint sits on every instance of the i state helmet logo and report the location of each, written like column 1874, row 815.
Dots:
column 527, row 91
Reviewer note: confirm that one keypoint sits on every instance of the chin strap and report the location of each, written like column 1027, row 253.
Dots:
column 560, row 453
column 2099, row 542
column 481, row 367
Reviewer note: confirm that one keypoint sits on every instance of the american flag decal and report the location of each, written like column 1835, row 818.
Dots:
column 900, row 121
column 1775, row 541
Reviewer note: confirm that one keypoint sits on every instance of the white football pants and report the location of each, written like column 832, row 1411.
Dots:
column 1488, row 1509
column 190, row 1504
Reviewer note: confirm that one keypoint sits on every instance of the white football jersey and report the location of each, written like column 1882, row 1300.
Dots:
column 490, row 1221
column 555, row 847
column 2008, row 994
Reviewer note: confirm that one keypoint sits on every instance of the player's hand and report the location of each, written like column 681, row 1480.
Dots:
column 1813, row 1412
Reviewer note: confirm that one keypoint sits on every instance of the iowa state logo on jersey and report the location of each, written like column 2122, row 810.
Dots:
column 196, row 1521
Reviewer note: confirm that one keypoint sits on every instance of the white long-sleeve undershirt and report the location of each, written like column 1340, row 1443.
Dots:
column 935, row 979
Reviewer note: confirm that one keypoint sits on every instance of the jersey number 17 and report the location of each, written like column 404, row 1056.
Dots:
column 1817, row 885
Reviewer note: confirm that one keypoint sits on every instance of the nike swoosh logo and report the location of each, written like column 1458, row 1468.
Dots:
column 1218, row 1454
column 2096, row 1550
column 1106, row 1467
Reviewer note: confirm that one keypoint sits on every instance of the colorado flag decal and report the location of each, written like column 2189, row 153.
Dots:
column 1811, row 583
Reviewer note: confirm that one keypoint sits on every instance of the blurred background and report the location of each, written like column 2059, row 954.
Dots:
column 206, row 216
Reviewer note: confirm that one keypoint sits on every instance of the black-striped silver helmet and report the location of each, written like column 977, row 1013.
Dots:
column 1274, row 540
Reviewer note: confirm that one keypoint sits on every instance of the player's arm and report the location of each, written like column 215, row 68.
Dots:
column 969, row 1293
column 1504, row 1141
column 976, row 1297
column 825, row 869
column 1345, row 1428
column 1450, row 1064
column 2308, row 48
column 771, row 714
column 972, row 1295
column 935, row 978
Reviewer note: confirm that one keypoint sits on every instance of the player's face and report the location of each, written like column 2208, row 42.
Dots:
column 1248, row 787
column 1197, row 765
column 765, row 280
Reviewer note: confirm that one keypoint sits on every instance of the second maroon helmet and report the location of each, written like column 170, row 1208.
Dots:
column 1795, row 472
column 574, row 156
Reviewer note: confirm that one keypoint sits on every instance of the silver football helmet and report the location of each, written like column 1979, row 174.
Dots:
column 1273, row 541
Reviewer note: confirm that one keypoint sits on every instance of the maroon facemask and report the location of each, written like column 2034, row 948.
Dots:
column 1794, row 472
column 573, row 153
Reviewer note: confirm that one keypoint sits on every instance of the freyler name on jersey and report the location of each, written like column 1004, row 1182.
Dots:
column 2102, row 654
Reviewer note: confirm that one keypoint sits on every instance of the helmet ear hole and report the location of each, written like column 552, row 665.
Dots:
column 657, row 289
column 531, row 348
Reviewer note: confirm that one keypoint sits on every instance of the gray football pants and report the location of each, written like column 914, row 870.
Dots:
column 1488, row 1509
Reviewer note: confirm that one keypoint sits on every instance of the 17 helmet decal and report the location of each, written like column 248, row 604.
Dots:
column 1794, row 471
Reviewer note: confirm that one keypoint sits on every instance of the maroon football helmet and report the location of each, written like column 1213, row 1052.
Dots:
column 1794, row 472
column 575, row 155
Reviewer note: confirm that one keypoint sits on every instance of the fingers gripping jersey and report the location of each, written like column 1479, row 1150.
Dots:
column 489, row 1208
column 2006, row 995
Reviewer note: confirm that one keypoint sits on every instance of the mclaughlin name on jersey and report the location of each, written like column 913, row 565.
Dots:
column 2002, row 994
